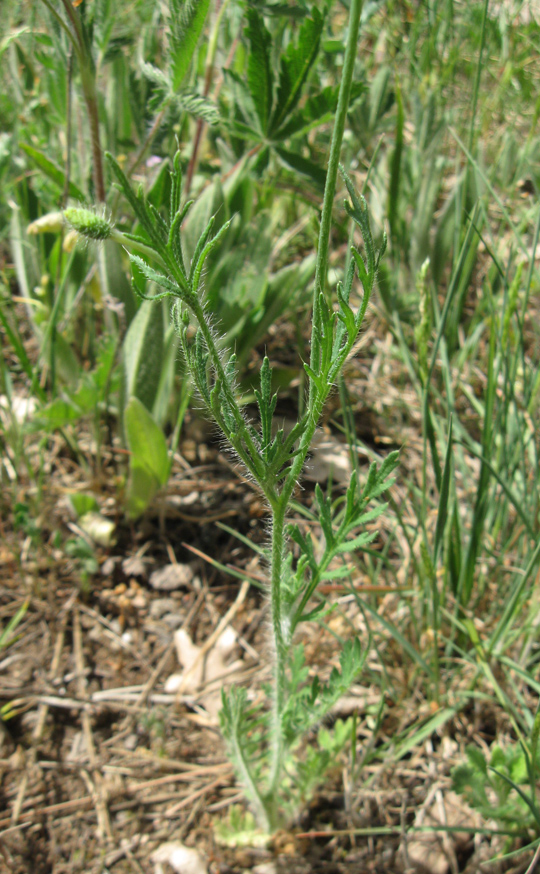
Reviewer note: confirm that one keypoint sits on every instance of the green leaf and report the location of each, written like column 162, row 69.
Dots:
column 199, row 106
column 267, row 404
column 296, row 63
column 154, row 276
column 53, row 171
column 244, row 108
column 142, row 354
column 357, row 543
column 137, row 201
column 187, row 22
column 442, row 513
column 338, row 573
column 259, row 71
column 83, row 503
column 325, row 516
column 149, row 463
column 395, row 172
column 302, row 165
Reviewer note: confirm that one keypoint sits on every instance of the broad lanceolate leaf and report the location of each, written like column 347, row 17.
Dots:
column 259, row 72
column 142, row 354
column 149, row 463
column 296, row 63
column 53, row 171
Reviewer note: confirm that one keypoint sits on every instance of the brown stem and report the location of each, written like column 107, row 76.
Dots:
column 95, row 142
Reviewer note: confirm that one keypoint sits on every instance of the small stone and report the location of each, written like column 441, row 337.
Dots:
column 160, row 606
column 171, row 577
column 131, row 742
column 173, row 620
column 108, row 566
column 135, row 566
column 182, row 859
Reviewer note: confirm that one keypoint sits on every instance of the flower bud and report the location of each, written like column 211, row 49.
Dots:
column 51, row 223
column 88, row 223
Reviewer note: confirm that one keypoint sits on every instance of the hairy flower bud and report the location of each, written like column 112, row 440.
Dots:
column 88, row 223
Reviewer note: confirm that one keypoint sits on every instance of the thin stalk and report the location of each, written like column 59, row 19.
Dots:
column 209, row 72
column 89, row 89
column 88, row 81
column 331, row 177
column 280, row 648
column 476, row 86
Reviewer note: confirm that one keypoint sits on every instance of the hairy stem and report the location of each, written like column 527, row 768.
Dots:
column 254, row 463
column 280, row 647
column 316, row 403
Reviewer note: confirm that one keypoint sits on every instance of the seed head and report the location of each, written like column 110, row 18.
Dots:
column 87, row 223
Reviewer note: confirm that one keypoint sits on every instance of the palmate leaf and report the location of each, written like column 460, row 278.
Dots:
column 259, row 71
column 187, row 21
column 317, row 109
column 296, row 63
column 245, row 108
column 303, row 165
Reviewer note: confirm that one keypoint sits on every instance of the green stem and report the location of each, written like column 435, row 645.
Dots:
column 77, row 38
column 280, row 651
column 331, row 178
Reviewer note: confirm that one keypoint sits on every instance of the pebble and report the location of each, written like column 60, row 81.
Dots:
column 171, row 577
column 160, row 606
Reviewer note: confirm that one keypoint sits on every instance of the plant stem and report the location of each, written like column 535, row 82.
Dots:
column 250, row 461
column 331, row 177
column 316, row 402
column 280, row 647
column 209, row 72
column 89, row 89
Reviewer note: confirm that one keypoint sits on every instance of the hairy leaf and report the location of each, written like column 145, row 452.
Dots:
column 259, row 71
column 187, row 22
column 295, row 65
